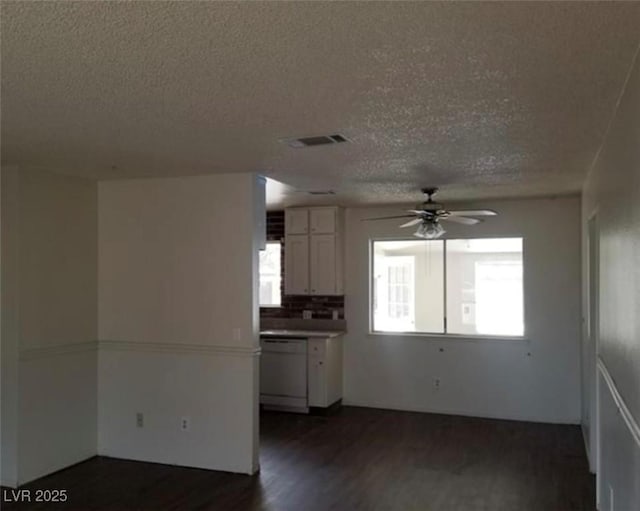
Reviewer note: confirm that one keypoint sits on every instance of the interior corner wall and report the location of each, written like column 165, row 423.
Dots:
column 49, row 292
column 9, row 330
column 535, row 379
column 612, row 191
column 178, row 313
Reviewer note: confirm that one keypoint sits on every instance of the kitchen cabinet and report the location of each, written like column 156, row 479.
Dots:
column 296, row 262
column 322, row 220
column 324, row 373
column 300, row 370
column 323, row 262
column 313, row 251
column 296, row 221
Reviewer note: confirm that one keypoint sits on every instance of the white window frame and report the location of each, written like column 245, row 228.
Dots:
column 383, row 301
column 445, row 334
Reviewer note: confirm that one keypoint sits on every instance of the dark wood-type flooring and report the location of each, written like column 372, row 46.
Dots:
column 358, row 459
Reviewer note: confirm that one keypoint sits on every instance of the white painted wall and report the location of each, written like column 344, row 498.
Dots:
column 613, row 190
column 214, row 389
column 50, row 300
column 480, row 377
column 9, row 330
column 178, row 320
column 57, row 409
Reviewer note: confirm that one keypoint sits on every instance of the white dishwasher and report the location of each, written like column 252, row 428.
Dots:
column 283, row 373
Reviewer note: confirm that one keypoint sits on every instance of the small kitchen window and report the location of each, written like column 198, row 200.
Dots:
column 468, row 287
column 271, row 275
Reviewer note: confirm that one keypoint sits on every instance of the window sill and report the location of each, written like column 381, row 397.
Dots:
column 270, row 306
column 453, row 337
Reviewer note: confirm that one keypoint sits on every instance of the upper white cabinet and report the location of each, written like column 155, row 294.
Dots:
column 313, row 251
column 323, row 220
column 296, row 221
column 296, row 264
column 323, row 259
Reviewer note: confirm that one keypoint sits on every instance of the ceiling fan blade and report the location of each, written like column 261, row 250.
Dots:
column 473, row 212
column 412, row 222
column 461, row 220
column 422, row 211
column 386, row 217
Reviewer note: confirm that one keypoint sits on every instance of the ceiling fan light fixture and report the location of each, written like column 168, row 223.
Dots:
column 429, row 214
column 429, row 230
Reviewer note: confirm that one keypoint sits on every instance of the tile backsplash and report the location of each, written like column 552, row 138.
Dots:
column 321, row 307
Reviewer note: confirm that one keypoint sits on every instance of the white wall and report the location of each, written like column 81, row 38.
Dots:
column 9, row 331
column 57, row 409
column 178, row 320
column 537, row 379
column 613, row 190
column 51, row 302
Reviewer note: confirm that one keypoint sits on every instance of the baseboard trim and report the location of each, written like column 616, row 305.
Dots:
column 142, row 459
column 629, row 420
column 179, row 348
column 461, row 413
column 53, row 351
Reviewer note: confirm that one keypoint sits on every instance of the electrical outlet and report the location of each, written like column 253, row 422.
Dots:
column 185, row 424
column 436, row 383
column 307, row 314
column 139, row 420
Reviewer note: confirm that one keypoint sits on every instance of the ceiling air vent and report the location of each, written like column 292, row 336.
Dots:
column 314, row 141
column 321, row 192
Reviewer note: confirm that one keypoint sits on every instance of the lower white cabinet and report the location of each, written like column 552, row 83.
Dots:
column 298, row 372
column 324, row 372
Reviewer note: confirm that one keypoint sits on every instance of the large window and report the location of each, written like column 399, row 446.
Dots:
column 270, row 275
column 466, row 287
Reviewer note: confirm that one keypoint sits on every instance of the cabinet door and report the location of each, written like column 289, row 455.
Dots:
column 317, row 375
column 296, row 260
column 322, row 220
column 296, row 221
column 323, row 264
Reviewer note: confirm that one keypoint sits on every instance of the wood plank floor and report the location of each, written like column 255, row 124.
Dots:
column 359, row 459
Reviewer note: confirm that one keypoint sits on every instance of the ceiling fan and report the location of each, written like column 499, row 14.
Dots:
column 427, row 216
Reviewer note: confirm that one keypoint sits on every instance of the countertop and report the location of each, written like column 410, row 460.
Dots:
column 324, row 334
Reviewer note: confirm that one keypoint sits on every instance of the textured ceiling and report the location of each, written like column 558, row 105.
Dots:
column 484, row 99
